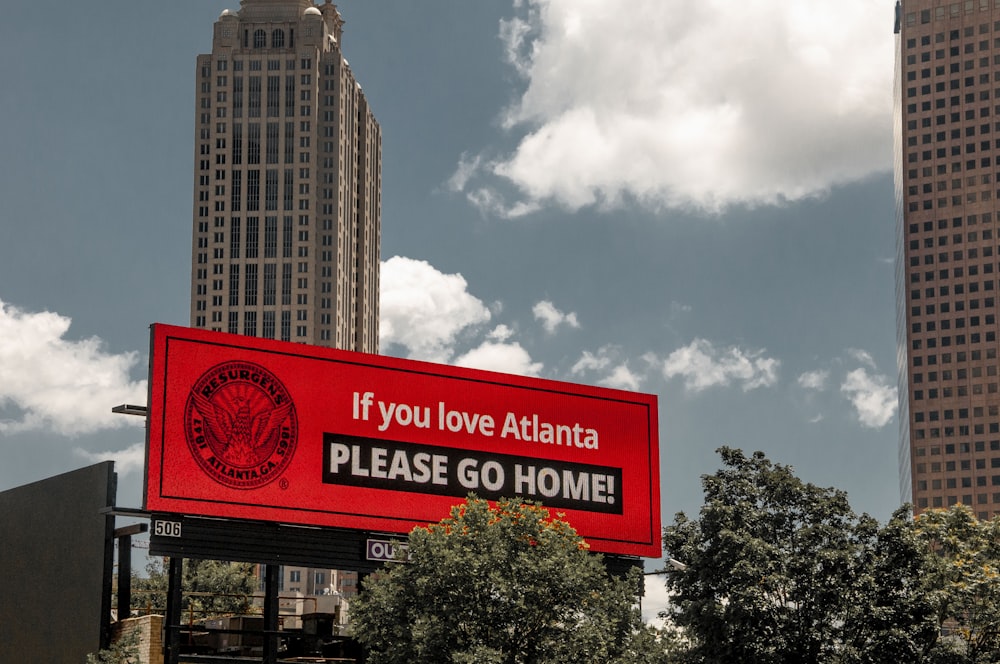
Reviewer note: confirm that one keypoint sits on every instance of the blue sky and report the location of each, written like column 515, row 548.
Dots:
column 647, row 196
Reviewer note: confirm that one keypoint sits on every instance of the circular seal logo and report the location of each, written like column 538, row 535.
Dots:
column 240, row 425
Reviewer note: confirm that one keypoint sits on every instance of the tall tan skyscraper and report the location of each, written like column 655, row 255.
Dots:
column 287, row 186
column 947, row 163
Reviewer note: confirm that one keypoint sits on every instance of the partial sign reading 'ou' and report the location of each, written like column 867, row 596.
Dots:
column 384, row 550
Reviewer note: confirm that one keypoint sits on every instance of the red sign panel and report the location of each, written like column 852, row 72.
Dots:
column 274, row 431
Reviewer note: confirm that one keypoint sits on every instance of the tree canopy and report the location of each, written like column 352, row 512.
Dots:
column 508, row 584
column 965, row 578
column 210, row 587
column 780, row 571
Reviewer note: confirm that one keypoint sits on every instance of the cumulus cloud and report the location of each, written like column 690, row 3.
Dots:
column 49, row 382
column 684, row 106
column 873, row 397
column 424, row 310
column 622, row 378
column 501, row 333
column 129, row 460
column 552, row 318
column 702, row 366
column 862, row 356
column 506, row 357
column 614, row 372
column 814, row 380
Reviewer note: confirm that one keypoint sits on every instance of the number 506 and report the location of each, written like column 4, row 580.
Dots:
column 167, row 528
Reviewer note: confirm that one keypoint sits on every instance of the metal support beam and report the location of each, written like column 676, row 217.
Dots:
column 271, row 573
column 124, row 577
column 124, row 537
column 134, row 529
column 109, row 562
column 172, row 642
column 130, row 409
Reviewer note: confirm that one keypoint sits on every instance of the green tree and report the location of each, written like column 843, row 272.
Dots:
column 892, row 616
column 781, row 571
column 124, row 650
column 501, row 585
column 209, row 587
column 966, row 577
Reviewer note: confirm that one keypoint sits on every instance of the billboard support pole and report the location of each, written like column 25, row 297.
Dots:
column 124, row 577
column 172, row 644
column 124, row 537
column 271, row 613
column 109, row 563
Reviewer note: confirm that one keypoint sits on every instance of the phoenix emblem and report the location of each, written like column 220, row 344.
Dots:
column 241, row 425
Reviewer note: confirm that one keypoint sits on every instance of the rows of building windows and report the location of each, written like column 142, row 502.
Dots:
column 951, row 156
column 965, row 499
column 960, row 340
column 955, row 67
column 950, row 11
column 929, row 360
column 929, row 189
column 272, row 96
column 973, row 253
column 956, row 273
column 980, row 479
column 271, row 143
column 942, row 226
column 257, row 64
column 960, row 305
column 952, row 431
column 978, row 428
column 923, row 252
column 254, row 64
column 323, row 582
column 261, row 38
column 953, row 51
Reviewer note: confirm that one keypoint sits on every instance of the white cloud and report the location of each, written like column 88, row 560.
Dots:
column 622, row 378
column 618, row 376
column 424, row 310
column 814, row 380
column 57, row 384
column 862, row 356
column 591, row 362
column 129, row 460
column 501, row 333
column 684, row 105
column 552, row 318
column 703, row 366
column 873, row 398
column 467, row 167
column 500, row 356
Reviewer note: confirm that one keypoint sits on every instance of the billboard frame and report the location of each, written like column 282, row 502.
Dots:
column 222, row 348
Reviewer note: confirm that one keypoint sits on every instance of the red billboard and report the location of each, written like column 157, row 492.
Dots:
column 274, row 431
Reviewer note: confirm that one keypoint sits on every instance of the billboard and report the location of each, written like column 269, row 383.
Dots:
column 274, row 431
column 57, row 557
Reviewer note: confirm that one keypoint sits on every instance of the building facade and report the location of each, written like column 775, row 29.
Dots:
column 947, row 174
column 287, row 181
